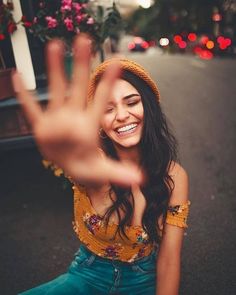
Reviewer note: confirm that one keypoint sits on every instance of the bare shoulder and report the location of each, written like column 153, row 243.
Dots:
column 181, row 184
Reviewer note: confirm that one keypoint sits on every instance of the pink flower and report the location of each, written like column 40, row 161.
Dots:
column 52, row 22
column 90, row 21
column 66, row 2
column 65, row 8
column 79, row 18
column 77, row 7
column 66, row 5
column 69, row 24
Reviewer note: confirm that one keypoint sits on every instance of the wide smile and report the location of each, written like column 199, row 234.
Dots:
column 127, row 129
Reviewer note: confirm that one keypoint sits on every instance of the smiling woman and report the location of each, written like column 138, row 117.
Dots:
column 123, row 118
column 130, row 224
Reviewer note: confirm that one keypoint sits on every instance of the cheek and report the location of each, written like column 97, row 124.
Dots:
column 106, row 122
column 139, row 112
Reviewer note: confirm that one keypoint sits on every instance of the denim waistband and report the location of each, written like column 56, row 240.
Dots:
column 83, row 249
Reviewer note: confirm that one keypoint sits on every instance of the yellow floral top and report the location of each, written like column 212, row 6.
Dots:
column 102, row 240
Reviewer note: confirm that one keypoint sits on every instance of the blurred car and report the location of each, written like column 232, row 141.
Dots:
column 138, row 44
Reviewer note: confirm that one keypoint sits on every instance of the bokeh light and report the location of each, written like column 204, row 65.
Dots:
column 206, row 54
column 228, row 41
column 182, row 44
column 145, row 44
column 177, row 39
column 145, row 3
column 164, row 42
column 192, row 37
column 210, row 44
column 216, row 17
column 220, row 39
column 131, row 45
column 204, row 40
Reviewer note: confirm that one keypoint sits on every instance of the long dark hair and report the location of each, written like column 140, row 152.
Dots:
column 158, row 149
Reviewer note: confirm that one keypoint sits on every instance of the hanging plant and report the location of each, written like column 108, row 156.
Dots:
column 61, row 19
column 7, row 27
column 7, row 22
column 66, row 18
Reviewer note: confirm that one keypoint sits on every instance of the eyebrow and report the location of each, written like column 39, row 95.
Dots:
column 127, row 97
column 131, row 95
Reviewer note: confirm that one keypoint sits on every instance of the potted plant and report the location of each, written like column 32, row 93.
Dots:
column 7, row 27
column 66, row 18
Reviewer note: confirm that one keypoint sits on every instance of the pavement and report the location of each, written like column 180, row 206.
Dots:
column 36, row 209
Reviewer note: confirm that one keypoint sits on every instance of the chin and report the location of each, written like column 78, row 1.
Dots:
column 128, row 142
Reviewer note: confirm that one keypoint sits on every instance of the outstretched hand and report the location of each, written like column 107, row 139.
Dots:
column 67, row 131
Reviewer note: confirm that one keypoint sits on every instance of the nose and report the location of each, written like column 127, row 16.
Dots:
column 122, row 114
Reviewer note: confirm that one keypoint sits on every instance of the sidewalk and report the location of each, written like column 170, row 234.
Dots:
column 37, row 239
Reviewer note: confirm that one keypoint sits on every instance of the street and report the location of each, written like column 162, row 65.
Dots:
column 36, row 209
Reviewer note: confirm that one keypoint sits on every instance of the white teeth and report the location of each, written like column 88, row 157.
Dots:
column 127, row 128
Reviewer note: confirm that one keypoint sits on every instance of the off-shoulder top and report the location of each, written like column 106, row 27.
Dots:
column 102, row 239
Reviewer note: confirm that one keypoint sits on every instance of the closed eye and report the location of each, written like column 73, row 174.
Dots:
column 109, row 110
column 133, row 103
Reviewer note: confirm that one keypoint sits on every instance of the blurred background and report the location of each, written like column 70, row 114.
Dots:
column 189, row 48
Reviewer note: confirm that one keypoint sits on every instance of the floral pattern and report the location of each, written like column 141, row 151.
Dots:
column 142, row 237
column 92, row 222
column 101, row 240
column 140, row 254
column 175, row 210
column 112, row 251
column 177, row 215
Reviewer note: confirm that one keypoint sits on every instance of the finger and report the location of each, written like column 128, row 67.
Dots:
column 104, row 90
column 29, row 103
column 124, row 174
column 106, row 170
column 56, row 75
column 81, row 70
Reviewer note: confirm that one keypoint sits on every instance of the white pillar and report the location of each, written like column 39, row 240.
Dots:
column 21, row 50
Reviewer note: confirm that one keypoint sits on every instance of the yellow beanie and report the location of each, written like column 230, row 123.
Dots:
column 127, row 65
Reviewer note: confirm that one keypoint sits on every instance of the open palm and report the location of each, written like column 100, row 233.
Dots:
column 67, row 131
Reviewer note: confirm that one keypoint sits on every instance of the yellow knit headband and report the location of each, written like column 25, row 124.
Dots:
column 127, row 65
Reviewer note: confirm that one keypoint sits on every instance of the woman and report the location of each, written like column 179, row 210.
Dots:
column 130, row 223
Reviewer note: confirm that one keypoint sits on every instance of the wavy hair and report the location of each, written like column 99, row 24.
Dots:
column 158, row 149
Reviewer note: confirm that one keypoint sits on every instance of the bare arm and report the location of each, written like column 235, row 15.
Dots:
column 169, row 259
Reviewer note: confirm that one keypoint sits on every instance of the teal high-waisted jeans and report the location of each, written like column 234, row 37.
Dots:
column 90, row 274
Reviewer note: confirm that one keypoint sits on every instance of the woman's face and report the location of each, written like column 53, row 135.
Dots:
column 123, row 118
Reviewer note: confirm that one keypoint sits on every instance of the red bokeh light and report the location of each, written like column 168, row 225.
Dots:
column 216, row 17
column 224, row 42
column 197, row 50
column 138, row 40
column 145, row 44
column 192, row 37
column 228, row 41
column 204, row 40
column 206, row 54
column 177, row 39
column 131, row 45
column 222, row 46
column 182, row 44
column 220, row 39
